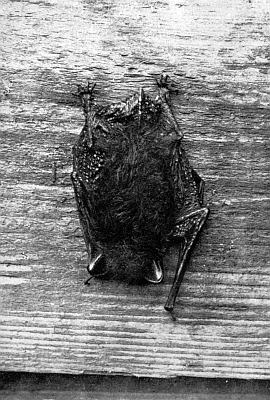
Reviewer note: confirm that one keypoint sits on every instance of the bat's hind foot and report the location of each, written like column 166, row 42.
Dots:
column 165, row 82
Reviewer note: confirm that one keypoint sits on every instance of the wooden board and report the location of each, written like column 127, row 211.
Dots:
column 29, row 386
column 218, row 54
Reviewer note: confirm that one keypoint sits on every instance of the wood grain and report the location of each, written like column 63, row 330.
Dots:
column 218, row 54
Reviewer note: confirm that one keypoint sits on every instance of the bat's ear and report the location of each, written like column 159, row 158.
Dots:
column 153, row 272
column 97, row 266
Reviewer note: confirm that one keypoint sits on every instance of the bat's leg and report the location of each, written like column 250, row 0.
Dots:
column 189, row 227
column 96, row 266
column 200, row 185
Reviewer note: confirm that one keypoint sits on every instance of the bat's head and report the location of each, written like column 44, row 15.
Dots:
column 123, row 262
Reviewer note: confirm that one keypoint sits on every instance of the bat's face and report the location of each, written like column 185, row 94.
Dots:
column 123, row 262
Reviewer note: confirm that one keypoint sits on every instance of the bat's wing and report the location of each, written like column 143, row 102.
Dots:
column 88, row 165
column 190, row 214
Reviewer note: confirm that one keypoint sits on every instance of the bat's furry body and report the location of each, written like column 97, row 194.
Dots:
column 134, row 187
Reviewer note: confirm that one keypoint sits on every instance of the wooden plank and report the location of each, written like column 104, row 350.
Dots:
column 25, row 386
column 218, row 53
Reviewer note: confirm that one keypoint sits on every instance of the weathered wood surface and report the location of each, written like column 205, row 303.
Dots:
column 218, row 52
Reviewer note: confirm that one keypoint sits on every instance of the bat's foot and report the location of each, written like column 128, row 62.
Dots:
column 154, row 272
column 85, row 93
column 88, row 89
column 165, row 82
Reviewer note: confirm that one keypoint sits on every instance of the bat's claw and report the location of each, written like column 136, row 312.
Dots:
column 86, row 90
column 165, row 82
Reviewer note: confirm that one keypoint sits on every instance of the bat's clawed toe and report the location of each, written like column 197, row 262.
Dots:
column 165, row 82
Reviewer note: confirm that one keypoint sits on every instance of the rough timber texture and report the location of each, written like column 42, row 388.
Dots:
column 218, row 52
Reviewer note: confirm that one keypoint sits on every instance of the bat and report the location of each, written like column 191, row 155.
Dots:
column 135, row 189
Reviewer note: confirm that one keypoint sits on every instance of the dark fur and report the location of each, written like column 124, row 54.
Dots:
column 133, row 201
column 123, row 163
